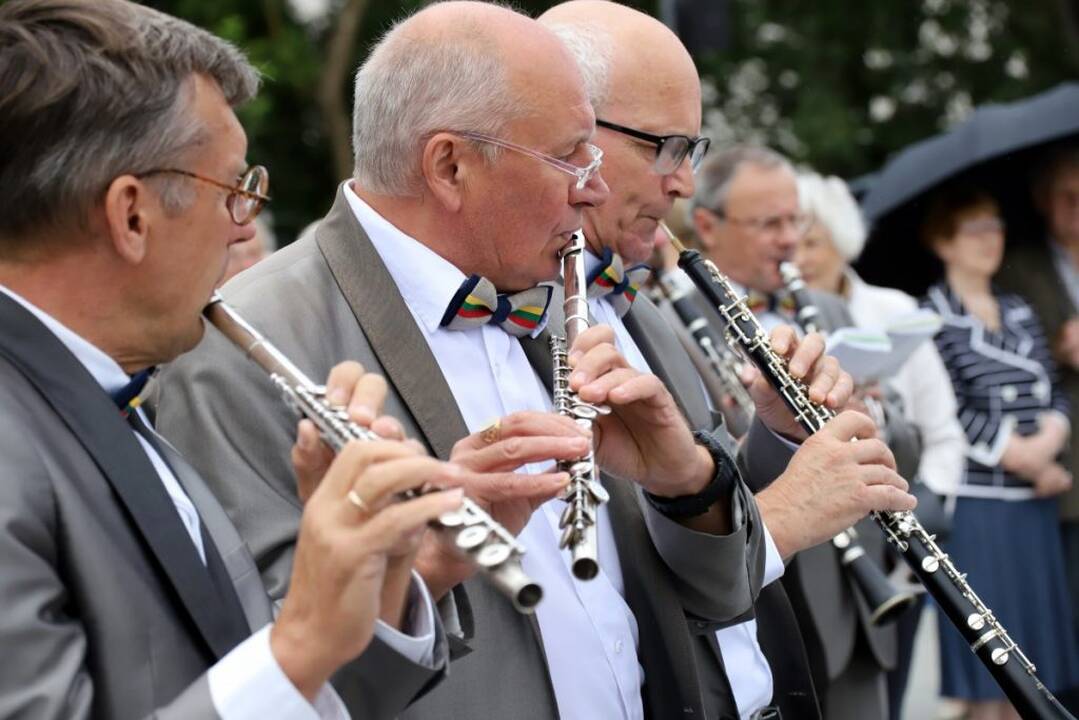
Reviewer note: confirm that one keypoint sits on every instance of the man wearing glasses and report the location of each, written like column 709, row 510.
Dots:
column 126, row 590
column 748, row 219
column 646, row 94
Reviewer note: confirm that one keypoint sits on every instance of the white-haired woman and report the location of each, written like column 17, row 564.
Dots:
column 824, row 254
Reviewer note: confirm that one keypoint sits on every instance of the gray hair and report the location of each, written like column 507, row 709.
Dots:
column 715, row 176
column 411, row 87
column 94, row 89
column 592, row 47
column 829, row 200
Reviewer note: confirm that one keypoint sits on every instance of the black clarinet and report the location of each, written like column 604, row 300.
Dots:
column 886, row 601
column 988, row 640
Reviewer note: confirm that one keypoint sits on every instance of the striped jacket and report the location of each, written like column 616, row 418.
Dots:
column 1003, row 381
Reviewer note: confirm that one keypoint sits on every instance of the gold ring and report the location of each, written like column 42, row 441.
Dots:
column 491, row 432
column 354, row 498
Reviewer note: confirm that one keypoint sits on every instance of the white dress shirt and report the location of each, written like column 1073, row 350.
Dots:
column 590, row 634
column 923, row 384
column 248, row 683
column 747, row 669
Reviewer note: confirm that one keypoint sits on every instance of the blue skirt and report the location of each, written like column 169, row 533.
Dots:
column 1012, row 553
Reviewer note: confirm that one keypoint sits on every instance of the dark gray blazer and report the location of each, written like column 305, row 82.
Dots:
column 329, row 298
column 831, row 611
column 107, row 609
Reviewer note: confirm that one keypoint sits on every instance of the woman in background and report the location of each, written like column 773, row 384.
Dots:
column 824, row 256
column 1005, row 533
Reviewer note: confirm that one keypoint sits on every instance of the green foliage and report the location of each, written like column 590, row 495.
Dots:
column 836, row 84
column 842, row 85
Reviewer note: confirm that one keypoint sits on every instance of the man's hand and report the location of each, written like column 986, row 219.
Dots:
column 832, row 483
column 645, row 438
column 1066, row 346
column 1053, row 480
column 490, row 459
column 362, row 394
column 342, row 552
column 806, row 361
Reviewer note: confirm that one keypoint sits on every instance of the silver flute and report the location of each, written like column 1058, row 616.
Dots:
column 886, row 602
column 585, row 493
column 988, row 640
column 477, row 535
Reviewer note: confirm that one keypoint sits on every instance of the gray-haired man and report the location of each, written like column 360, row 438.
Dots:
column 126, row 591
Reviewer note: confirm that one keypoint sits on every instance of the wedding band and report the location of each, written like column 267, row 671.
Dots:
column 492, row 432
column 354, row 498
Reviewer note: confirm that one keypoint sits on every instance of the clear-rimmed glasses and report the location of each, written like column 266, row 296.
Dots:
column 583, row 174
column 671, row 150
column 771, row 225
column 245, row 199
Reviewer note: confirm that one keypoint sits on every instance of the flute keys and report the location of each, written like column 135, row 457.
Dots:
column 596, row 489
column 452, row 519
column 493, row 555
column 472, row 537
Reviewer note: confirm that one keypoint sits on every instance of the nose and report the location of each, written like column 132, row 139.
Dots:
column 594, row 193
column 241, row 233
column 680, row 182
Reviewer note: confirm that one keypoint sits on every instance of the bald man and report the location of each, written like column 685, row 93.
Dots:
column 646, row 94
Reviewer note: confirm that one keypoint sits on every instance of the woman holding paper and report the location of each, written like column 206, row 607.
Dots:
column 1005, row 535
column 824, row 255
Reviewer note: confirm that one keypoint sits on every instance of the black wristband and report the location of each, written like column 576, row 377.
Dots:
column 724, row 480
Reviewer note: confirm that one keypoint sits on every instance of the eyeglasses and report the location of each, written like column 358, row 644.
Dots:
column 671, row 150
column 583, row 174
column 245, row 199
column 772, row 225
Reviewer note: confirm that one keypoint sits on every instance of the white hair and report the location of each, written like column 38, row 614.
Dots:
column 592, row 47
column 411, row 87
column 831, row 203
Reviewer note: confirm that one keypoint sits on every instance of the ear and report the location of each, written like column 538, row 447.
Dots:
column 446, row 168
column 705, row 223
column 129, row 205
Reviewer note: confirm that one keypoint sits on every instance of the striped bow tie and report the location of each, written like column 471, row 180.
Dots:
column 781, row 303
column 477, row 303
column 619, row 285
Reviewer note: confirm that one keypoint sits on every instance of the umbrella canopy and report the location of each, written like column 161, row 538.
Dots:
column 994, row 148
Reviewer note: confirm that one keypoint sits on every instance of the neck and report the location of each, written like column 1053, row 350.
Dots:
column 67, row 289
column 968, row 285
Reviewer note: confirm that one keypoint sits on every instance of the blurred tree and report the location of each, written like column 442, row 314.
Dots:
column 835, row 84
column 842, row 85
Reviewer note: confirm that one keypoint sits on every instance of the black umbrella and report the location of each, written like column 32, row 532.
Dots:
column 994, row 148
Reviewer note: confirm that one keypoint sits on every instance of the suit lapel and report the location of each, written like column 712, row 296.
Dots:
column 387, row 323
column 237, row 560
column 660, row 348
column 94, row 420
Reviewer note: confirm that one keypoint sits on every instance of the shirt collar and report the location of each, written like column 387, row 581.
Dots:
column 426, row 280
column 106, row 371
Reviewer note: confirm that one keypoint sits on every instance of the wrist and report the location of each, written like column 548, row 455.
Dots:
column 305, row 670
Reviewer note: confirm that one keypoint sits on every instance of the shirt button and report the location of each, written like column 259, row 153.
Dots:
column 618, row 645
column 1008, row 393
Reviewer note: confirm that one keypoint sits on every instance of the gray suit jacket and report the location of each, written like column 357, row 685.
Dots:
column 329, row 298
column 831, row 611
column 108, row 611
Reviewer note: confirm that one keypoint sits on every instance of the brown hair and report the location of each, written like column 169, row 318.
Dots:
column 94, row 89
column 944, row 208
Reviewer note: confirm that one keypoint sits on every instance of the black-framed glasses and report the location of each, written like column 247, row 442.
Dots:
column 245, row 199
column 671, row 150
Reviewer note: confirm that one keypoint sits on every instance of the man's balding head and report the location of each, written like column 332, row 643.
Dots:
column 640, row 76
column 453, row 66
